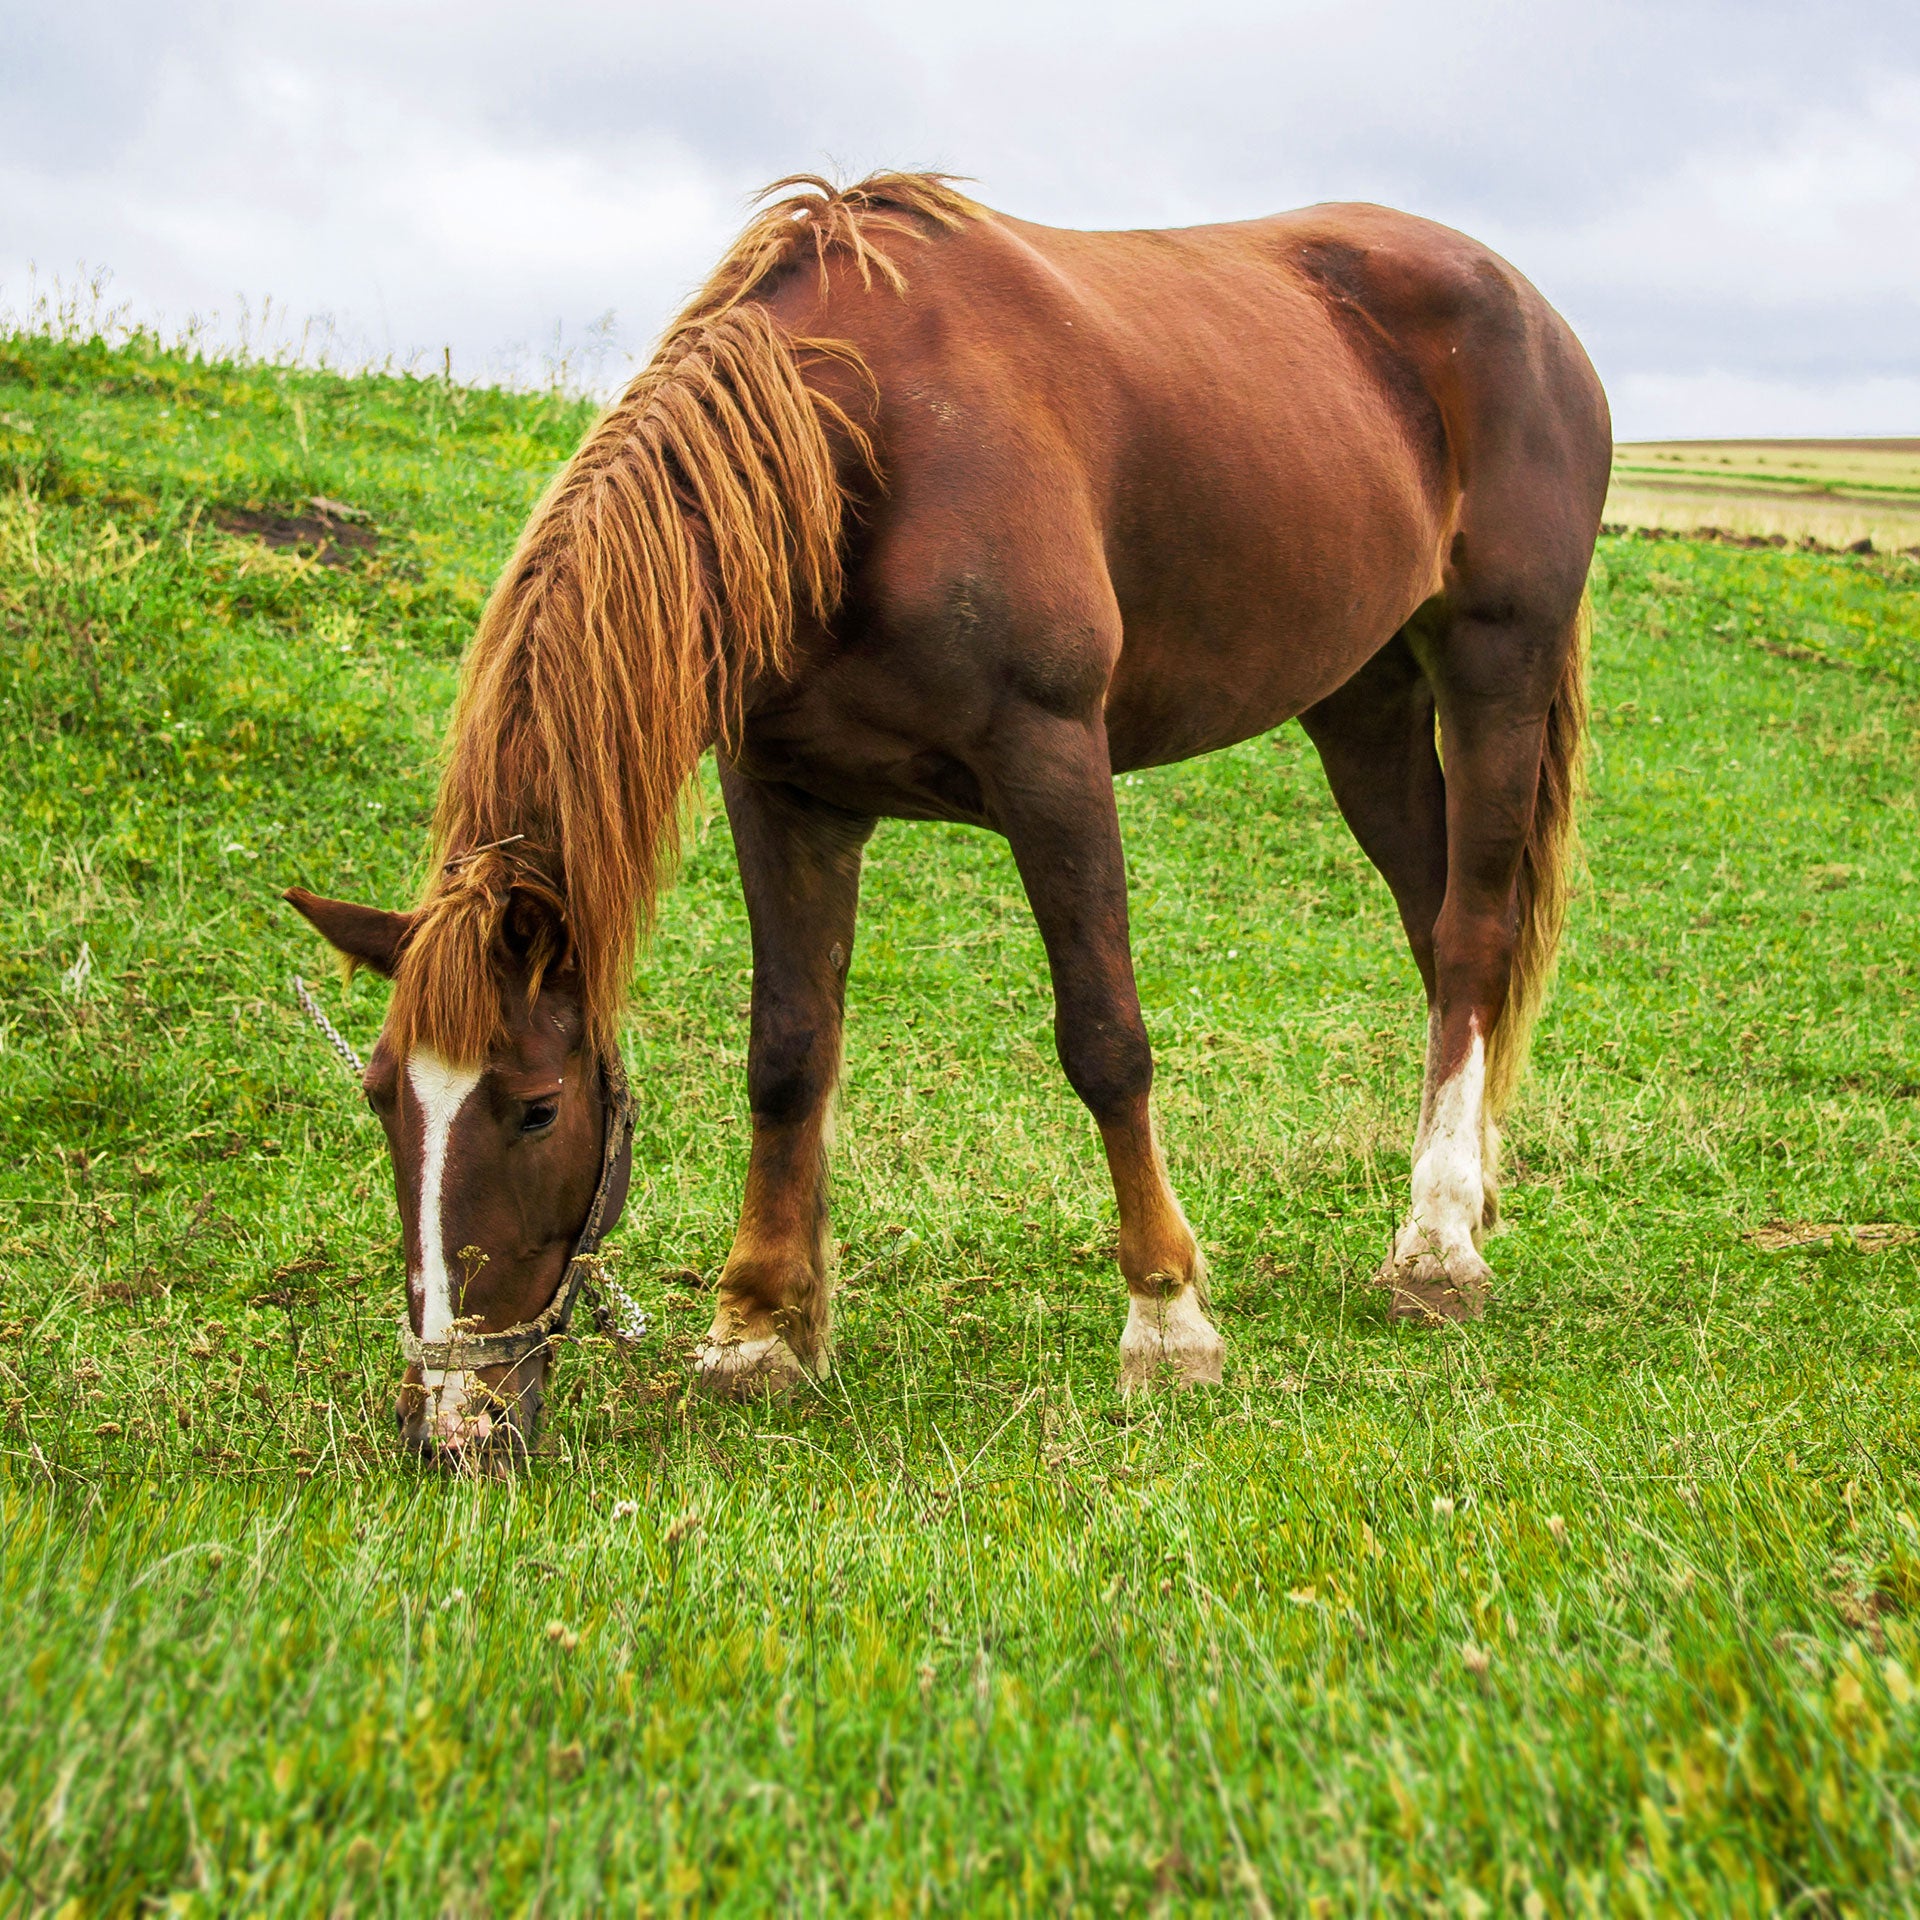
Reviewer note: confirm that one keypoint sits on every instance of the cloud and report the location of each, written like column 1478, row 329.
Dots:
column 1726, row 195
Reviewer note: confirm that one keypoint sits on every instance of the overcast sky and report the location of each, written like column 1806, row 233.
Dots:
column 1723, row 198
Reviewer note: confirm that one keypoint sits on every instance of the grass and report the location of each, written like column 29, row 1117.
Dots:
column 1605, row 1605
column 1833, row 493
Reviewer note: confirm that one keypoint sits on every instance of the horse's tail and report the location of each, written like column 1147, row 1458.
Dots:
column 1547, row 864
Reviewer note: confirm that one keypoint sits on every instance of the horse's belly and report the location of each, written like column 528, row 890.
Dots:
column 1262, row 571
column 1151, row 723
column 1221, row 670
column 834, row 750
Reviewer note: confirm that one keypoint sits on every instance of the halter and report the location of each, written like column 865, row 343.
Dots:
column 614, row 1311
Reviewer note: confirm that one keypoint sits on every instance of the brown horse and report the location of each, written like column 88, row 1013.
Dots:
column 924, row 512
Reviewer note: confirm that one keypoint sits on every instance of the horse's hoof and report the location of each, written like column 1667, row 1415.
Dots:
column 747, row 1369
column 1169, row 1342
column 1428, row 1289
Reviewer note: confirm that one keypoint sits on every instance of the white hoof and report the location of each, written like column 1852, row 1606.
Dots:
column 746, row 1369
column 1169, row 1342
column 1427, row 1288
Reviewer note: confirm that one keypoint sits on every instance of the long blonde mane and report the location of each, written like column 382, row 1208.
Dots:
column 657, row 581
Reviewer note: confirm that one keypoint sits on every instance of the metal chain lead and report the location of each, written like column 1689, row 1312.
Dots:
column 334, row 1037
column 618, row 1315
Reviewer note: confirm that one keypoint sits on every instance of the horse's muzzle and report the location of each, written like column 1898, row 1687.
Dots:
column 461, row 1425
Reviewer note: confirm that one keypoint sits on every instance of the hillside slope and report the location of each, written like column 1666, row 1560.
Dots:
column 1602, row 1605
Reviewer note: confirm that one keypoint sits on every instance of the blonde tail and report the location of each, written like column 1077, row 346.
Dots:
column 1546, row 869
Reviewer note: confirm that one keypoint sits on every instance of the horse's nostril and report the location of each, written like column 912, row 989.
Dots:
column 494, row 1438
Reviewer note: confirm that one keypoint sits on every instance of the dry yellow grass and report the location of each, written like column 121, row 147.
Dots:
column 1834, row 492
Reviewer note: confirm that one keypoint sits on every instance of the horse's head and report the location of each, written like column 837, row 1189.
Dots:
column 498, row 1162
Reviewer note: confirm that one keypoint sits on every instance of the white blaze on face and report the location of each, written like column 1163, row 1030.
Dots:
column 442, row 1091
column 1449, row 1185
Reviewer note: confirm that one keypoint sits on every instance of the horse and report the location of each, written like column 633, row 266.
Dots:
column 921, row 511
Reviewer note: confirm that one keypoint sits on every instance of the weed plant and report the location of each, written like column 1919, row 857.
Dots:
column 1603, row 1605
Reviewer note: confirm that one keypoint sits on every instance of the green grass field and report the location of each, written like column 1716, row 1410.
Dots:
column 1609, row 1604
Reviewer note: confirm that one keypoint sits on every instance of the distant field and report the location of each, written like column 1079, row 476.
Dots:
column 1833, row 492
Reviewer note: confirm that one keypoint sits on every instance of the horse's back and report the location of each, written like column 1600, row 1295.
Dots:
column 1410, row 340
column 1211, row 468
column 1342, row 314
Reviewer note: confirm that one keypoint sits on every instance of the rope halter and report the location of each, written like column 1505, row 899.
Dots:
column 615, row 1311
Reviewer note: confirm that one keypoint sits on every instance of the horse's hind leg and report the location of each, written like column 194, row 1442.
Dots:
column 800, row 869
column 1508, row 686
column 1051, row 793
column 1376, row 741
column 1375, row 737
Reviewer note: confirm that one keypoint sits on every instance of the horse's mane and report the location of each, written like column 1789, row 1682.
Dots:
column 658, row 578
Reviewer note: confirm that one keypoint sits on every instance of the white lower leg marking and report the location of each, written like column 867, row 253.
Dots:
column 1428, row 1082
column 442, row 1091
column 1170, row 1332
column 1449, row 1185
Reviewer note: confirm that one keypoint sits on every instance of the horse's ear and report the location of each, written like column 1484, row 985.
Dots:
column 366, row 935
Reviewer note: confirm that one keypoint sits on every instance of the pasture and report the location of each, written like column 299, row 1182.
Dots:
column 1605, row 1604
column 1833, row 493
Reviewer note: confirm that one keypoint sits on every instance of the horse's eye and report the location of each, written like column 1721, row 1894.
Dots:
column 539, row 1116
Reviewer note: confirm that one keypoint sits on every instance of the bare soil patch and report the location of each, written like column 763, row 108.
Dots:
column 336, row 533
column 1733, row 537
column 1879, row 1236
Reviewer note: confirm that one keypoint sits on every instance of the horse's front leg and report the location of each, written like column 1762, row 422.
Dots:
column 1050, row 787
column 800, row 869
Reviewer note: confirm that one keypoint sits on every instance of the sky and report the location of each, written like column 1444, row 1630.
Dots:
column 1723, row 198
